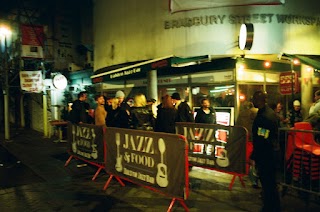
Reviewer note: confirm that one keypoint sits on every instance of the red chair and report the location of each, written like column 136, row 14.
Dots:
column 306, row 159
column 304, row 139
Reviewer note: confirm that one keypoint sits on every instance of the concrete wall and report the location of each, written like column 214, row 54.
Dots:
column 134, row 30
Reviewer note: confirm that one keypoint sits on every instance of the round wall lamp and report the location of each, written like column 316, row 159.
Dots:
column 59, row 81
column 246, row 36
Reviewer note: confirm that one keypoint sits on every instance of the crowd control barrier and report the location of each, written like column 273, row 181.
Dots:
column 302, row 159
column 217, row 147
column 156, row 161
column 86, row 142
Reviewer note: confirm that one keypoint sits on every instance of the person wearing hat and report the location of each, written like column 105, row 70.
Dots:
column 295, row 114
column 184, row 112
column 118, row 115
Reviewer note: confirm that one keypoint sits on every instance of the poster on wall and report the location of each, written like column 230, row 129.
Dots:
column 215, row 146
column 184, row 5
column 86, row 141
column 151, row 159
column 289, row 83
column 31, row 81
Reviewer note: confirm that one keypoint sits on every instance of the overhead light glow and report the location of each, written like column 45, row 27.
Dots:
column 267, row 64
column 296, row 62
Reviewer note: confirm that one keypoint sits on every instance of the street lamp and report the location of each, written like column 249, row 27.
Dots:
column 4, row 33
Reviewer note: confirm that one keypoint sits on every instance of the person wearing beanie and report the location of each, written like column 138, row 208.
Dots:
column 119, row 94
column 295, row 115
column 184, row 112
column 118, row 115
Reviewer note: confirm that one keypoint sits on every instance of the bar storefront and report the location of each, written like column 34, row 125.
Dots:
column 228, row 83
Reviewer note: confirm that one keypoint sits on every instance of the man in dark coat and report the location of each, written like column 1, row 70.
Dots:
column 206, row 114
column 80, row 110
column 184, row 113
column 264, row 134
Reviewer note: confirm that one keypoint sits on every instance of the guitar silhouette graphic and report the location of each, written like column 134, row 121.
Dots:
column 74, row 143
column 162, row 178
column 224, row 160
column 118, row 165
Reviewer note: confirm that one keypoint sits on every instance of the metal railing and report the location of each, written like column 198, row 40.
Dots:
column 300, row 150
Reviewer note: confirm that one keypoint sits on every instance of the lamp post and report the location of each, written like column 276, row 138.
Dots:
column 4, row 32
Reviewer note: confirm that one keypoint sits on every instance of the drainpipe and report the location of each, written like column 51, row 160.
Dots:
column 6, row 93
column 45, row 106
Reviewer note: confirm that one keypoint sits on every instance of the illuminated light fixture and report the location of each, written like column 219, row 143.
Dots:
column 5, row 31
column 223, row 87
column 241, row 67
column 59, row 81
column 218, row 91
column 309, row 69
column 296, row 62
column 246, row 36
column 184, row 64
column 242, row 97
column 267, row 64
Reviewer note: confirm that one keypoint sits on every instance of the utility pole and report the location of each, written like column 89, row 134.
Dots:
column 6, row 92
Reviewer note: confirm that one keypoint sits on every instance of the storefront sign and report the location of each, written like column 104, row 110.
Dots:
column 31, row 81
column 152, row 159
column 60, row 81
column 215, row 146
column 32, row 41
column 86, row 141
column 289, row 80
column 183, row 5
column 138, row 70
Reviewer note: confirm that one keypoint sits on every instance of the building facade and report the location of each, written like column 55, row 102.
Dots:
column 139, row 31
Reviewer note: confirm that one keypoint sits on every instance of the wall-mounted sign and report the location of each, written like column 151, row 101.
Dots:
column 32, row 41
column 59, row 81
column 288, row 81
column 185, row 5
column 31, row 81
column 246, row 36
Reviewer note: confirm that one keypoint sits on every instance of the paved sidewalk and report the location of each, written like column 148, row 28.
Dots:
column 71, row 188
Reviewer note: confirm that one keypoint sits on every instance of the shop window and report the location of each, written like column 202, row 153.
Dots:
column 219, row 95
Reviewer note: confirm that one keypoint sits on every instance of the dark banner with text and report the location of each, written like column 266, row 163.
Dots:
column 157, row 160
column 86, row 141
column 215, row 146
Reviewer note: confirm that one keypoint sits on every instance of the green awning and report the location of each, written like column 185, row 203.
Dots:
column 310, row 60
column 139, row 69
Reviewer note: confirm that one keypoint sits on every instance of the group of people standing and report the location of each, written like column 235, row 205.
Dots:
column 115, row 112
column 262, row 123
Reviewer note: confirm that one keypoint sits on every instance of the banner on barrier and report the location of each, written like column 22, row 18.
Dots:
column 152, row 159
column 86, row 141
column 215, row 146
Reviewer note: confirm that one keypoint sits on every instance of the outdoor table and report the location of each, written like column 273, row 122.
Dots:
column 59, row 125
